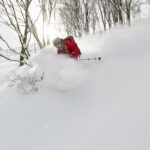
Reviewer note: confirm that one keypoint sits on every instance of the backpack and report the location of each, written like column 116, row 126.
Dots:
column 71, row 39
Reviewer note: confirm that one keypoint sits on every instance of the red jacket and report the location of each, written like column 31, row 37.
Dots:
column 69, row 47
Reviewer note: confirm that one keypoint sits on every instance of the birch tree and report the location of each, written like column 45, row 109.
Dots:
column 15, row 14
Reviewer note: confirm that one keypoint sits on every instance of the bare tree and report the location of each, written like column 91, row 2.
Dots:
column 72, row 17
column 90, row 14
column 33, row 30
column 135, row 8
column 102, row 10
column 94, row 18
column 80, row 17
column 47, row 7
column 15, row 14
column 118, row 5
column 12, row 50
column 125, row 7
column 86, row 14
column 128, row 10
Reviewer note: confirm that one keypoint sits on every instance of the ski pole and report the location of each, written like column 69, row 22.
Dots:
column 96, row 58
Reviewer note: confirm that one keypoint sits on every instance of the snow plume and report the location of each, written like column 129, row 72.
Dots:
column 62, row 73
column 59, row 71
column 126, row 43
column 121, row 42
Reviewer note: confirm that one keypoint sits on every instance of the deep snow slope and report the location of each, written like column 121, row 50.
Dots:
column 82, row 105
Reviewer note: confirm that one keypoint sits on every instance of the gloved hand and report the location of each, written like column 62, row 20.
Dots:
column 65, row 52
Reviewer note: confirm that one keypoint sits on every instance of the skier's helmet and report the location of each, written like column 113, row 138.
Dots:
column 57, row 42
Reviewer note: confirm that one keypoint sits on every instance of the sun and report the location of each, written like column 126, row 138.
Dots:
column 45, row 31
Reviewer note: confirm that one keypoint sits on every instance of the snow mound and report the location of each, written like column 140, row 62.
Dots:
column 60, row 71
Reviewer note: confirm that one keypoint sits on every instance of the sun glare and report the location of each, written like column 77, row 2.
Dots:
column 50, row 30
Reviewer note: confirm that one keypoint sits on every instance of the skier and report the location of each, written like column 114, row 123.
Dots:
column 67, row 46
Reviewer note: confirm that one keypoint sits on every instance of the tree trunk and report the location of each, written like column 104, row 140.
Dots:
column 86, row 18
column 24, row 44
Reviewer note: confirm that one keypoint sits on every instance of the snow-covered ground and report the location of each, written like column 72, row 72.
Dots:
column 81, row 105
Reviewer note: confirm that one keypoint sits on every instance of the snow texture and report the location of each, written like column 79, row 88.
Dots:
column 81, row 105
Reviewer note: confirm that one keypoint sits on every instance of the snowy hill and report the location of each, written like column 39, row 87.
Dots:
column 81, row 105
